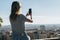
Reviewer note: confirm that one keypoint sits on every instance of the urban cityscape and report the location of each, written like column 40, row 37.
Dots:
column 41, row 32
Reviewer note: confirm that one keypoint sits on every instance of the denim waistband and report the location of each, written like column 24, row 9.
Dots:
column 14, row 33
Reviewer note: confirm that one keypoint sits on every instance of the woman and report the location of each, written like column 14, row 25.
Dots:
column 17, row 21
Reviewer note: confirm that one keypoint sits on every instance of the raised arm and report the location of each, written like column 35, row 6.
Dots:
column 26, row 19
column 29, row 20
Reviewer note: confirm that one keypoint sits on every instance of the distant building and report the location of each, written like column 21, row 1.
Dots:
column 42, row 27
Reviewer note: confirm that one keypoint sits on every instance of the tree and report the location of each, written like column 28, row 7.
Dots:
column 1, row 21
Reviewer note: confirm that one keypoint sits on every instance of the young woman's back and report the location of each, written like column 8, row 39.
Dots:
column 18, row 22
column 18, row 25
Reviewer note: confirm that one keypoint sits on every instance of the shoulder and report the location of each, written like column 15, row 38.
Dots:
column 22, row 15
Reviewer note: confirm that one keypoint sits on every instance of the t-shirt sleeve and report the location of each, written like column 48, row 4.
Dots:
column 24, row 18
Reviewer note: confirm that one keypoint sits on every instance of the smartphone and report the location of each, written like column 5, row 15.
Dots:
column 30, row 12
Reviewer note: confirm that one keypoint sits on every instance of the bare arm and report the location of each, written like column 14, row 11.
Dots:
column 29, row 20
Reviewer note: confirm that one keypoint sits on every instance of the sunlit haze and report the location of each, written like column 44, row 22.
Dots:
column 43, row 11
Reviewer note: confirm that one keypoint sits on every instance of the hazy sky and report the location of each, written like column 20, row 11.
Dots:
column 44, row 11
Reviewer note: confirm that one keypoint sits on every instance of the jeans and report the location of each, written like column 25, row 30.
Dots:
column 20, row 36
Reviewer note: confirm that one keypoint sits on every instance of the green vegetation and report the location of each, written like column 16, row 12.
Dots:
column 1, row 21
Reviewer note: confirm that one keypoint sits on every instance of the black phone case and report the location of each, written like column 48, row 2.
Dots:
column 30, row 11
